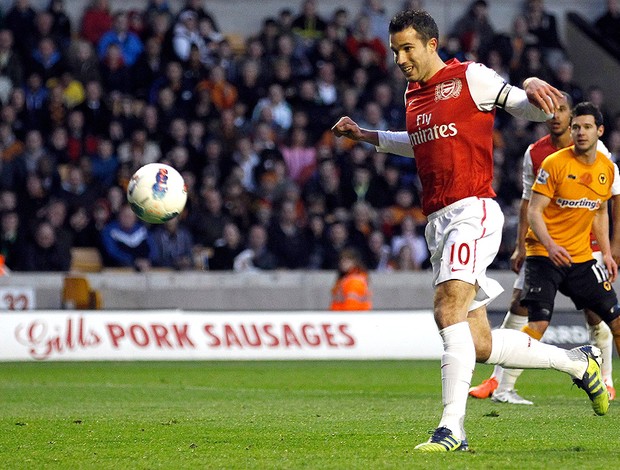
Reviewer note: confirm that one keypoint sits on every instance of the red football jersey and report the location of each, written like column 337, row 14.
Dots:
column 451, row 135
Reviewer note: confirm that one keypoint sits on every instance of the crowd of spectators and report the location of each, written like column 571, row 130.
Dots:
column 246, row 121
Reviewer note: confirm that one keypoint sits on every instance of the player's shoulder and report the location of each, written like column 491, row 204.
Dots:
column 559, row 157
column 544, row 141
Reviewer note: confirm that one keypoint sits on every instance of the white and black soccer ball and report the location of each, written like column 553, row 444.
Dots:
column 157, row 193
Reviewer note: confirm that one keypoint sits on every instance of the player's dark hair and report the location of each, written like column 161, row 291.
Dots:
column 586, row 108
column 569, row 99
column 419, row 20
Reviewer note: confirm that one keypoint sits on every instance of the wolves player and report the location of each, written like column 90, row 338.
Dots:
column 501, row 384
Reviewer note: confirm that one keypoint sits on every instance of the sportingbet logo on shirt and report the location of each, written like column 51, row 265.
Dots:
column 583, row 203
column 542, row 177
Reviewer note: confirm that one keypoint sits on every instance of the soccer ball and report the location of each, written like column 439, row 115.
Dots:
column 157, row 193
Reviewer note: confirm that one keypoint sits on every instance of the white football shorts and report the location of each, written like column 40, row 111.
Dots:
column 463, row 239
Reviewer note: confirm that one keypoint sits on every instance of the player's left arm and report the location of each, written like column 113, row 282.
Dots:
column 600, row 228
column 537, row 101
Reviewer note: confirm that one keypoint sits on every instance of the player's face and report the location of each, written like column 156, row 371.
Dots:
column 413, row 57
column 560, row 122
column 585, row 133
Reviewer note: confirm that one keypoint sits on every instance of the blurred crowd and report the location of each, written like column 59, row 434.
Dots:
column 245, row 118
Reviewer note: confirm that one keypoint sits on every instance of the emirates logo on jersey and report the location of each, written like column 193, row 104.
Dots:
column 448, row 89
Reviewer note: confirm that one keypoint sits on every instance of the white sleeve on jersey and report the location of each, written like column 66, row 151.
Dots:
column 528, row 175
column 489, row 90
column 397, row 143
column 615, row 187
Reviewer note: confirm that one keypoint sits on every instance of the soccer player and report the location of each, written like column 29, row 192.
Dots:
column 569, row 201
column 501, row 385
column 450, row 113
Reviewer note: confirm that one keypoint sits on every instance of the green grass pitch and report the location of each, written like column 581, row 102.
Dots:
column 284, row 415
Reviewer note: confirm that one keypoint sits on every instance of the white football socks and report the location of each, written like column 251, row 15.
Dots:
column 601, row 337
column 515, row 349
column 457, row 366
column 511, row 322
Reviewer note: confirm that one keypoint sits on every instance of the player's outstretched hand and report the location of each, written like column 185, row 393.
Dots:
column 541, row 94
column 347, row 127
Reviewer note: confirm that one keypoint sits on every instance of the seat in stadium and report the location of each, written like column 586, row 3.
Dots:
column 78, row 294
column 86, row 260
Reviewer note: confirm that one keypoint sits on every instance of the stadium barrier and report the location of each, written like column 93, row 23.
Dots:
column 62, row 335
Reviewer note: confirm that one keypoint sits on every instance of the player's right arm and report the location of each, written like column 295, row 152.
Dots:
column 557, row 254
column 527, row 178
column 518, row 255
column 347, row 127
column 396, row 143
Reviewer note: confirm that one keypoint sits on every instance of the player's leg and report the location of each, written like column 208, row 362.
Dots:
column 504, row 379
column 463, row 239
column 515, row 349
column 600, row 336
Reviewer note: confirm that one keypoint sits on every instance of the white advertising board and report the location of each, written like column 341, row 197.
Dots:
column 184, row 335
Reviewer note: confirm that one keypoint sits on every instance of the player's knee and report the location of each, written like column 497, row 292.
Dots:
column 539, row 311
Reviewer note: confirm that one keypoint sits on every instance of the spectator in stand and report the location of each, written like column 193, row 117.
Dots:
column 173, row 245
column 96, row 21
column 351, row 292
column 596, row 96
column 564, row 80
column 11, row 239
column 287, row 240
column 20, row 20
column 32, row 197
column 83, row 62
column 609, row 23
column 362, row 37
column 10, row 146
column 223, row 93
column 206, row 222
column 280, row 112
column 105, row 163
column 377, row 252
column 407, row 234
column 186, row 34
column 533, row 65
column 474, row 29
column 44, row 253
column 308, row 25
column 226, row 249
column 379, row 20
column 126, row 242
column 11, row 67
column 516, row 44
column 197, row 6
column 47, row 60
column 82, row 229
column 256, row 256
column 115, row 74
column 337, row 240
column 95, row 110
column 61, row 24
column 76, row 191
column 299, row 155
column 129, row 44
column 56, row 214
column 543, row 25
column 613, row 144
